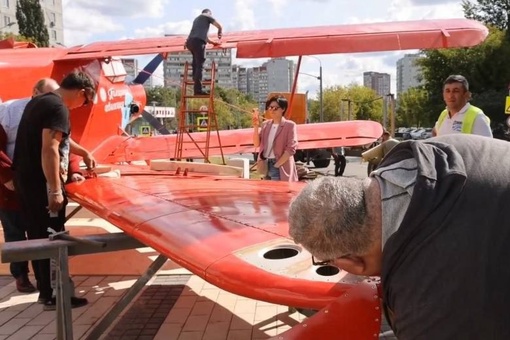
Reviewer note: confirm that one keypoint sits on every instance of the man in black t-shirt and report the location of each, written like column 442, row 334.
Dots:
column 40, row 164
column 196, row 42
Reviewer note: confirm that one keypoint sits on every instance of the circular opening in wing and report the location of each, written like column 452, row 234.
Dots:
column 327, row 270
column 280, row 253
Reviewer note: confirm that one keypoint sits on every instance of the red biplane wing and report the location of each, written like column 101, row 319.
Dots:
column 319, row 135
column 231, row 232
column 385, row 36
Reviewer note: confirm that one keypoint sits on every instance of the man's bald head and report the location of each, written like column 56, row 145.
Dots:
column 44, row 85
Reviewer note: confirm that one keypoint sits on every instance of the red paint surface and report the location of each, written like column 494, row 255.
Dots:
column 350, row 133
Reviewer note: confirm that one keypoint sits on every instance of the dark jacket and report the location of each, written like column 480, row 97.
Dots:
column 8, row 198
column 446, row 271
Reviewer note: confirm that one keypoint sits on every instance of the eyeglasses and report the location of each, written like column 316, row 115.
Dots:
column 86, row 101
column 273, row 108
column 321, row 263
column 327, row 262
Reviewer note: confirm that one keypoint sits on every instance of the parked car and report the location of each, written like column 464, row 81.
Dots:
column 427, row 133
column 416, row 134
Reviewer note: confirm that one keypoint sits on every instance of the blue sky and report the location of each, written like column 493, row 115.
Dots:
column 87, row 21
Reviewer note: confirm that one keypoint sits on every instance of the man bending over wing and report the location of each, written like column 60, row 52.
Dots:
column 432, row 221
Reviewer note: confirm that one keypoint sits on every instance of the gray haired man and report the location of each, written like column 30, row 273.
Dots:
column 432, row 222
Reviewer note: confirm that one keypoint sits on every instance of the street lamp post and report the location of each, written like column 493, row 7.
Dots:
column 8, row 25
column 321, row 114
column 319, row 78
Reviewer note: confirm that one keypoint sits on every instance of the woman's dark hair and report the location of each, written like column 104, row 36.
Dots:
column 280, row 100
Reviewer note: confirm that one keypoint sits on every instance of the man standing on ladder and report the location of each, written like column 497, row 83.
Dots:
column 196, row 42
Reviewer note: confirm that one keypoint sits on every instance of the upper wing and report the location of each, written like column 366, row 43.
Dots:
column 319, row 135
column 231, row 232
column 386, row 36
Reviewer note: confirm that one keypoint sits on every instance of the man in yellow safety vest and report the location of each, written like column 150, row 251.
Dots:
column 460, row 116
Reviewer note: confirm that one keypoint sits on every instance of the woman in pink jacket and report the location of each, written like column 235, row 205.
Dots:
column 278, row 141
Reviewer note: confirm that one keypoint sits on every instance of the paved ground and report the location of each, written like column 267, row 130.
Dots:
column 175, row 305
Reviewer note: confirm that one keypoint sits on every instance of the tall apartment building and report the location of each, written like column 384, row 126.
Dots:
column 379, row 82
column 131, row 67
column 53, row 17
column 173, row 67
column 408, row 73
column 275, row 75
column 280, row 74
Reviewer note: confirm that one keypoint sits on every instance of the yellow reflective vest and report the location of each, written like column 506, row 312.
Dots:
column 469, row 119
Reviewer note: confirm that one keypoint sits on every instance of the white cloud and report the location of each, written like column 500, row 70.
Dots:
column 245, row 15
column 278, row 6
column 180, row 27
column 81, row 24
column 127, row 8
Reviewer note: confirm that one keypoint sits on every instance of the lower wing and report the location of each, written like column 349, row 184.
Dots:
column 320, row 135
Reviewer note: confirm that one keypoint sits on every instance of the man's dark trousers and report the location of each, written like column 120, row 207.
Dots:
column 197, row 48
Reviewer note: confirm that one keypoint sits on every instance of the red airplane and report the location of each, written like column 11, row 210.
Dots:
column 229, row 231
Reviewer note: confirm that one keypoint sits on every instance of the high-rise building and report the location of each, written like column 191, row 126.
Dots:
column 379, row 82
column 131, row 67
column 275, row 75
column 240, row 78
column 173, row 67
column 408, row 73
column 280, row 74
column 53, row 17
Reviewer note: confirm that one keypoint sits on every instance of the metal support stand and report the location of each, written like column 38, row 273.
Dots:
column 110, row 317
column 63, row 293
column 58, row 248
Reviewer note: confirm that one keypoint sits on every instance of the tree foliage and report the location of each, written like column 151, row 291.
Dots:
column 16, row 37
column 413, row 109
column 365, row 104
column 30, row 17
column 485, row 66
column 232, row 108
column 491, row 12
column 163, row 96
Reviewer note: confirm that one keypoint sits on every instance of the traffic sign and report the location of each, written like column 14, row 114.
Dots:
column 202, row 123
column 507, row 105
column 145, row 130
column 203, row 109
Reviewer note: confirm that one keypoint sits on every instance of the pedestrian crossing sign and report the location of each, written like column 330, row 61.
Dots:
column 507, row 105
column 145, row 130
column 202, row 123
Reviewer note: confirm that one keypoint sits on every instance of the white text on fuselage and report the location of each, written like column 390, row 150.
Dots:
column 113, row 106
column 115, row 93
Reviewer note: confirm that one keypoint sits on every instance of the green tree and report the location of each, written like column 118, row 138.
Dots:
column 365, row 104
column 485, row 66
column 163, row 96
column 30, row 17
column 491, row 12
column 16, row 37
column 232, row 108
column 412, row 109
